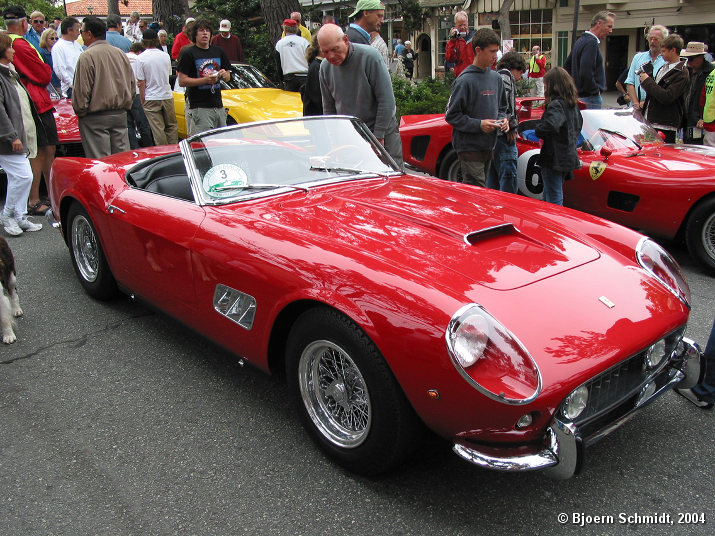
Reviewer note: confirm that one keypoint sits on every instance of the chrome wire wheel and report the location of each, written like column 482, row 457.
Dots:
column 708, row 236
column 84, row 247
column 335, row 394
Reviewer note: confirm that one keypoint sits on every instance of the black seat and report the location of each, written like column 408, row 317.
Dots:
column 173, row 185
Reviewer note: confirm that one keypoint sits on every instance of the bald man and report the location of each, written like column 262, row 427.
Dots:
column 354, row 80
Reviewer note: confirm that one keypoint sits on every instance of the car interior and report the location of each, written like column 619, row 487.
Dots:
column 164, row 175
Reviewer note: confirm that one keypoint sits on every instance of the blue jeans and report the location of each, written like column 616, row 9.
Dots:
column 593, row 103
column 706, row 389
column 553, row 185
column 502, row 172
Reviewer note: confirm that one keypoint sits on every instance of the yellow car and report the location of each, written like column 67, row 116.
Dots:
column 248, row 96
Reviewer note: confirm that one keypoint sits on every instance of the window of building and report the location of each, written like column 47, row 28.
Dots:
column 562, row 46
column 530, row 28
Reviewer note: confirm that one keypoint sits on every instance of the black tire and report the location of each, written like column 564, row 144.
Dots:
column 700, row 234
column 87, row 255
column 356, row 412
column 450, row 169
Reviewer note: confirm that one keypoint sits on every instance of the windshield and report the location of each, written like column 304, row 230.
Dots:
column 246, row 77
column 616, row 130
column 278, row 156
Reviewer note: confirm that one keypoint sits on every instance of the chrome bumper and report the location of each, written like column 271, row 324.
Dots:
column 51, row 218
column 562, row 453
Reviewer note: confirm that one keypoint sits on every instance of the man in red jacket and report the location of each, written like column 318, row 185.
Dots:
column 35, row 74
column 459, row 46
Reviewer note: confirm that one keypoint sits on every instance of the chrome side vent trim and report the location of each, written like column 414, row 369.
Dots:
column 235, row 305
column 490, row 232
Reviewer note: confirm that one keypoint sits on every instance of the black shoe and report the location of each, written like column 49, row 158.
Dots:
column 692, row 397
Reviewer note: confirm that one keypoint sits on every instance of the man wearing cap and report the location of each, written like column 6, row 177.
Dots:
column 303, row 31
column 181, row 40
column 35, row 74
column 104, row 87
column 700, row 69
column 355, row 81
column 292, row 52
column 114, row 37
column 153, row 69
column 367, row 17
column 37, row 21
column 230, row 44
column 650, row 60
column 199, row 70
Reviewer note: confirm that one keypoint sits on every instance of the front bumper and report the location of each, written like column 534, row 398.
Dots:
column 562, row 453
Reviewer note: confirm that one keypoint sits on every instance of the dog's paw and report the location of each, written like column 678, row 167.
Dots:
column 9, row 338
column 18, row 312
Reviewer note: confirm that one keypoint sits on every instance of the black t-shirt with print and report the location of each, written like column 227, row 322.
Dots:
column 199, row 62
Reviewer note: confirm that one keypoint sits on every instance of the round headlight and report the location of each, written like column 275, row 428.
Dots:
column 655, row 354
column 575, row 403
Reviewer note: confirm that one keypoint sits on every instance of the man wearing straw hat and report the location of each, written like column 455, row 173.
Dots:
column 700, row 69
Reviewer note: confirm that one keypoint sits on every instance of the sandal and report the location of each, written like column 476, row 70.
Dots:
column 38, row 209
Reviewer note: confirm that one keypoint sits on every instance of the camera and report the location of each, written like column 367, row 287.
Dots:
column 646, row 68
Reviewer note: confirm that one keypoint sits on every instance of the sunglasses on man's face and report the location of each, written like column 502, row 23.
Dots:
column 38, row 21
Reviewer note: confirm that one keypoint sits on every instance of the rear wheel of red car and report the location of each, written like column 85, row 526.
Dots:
column 700, row 233
column 450, row 170
column 346, row 395
column 87, row 254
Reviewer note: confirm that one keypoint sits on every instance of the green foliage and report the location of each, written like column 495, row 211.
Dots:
column 428, row 96
column 524, row 87
column 46, row 8
column 244, row 15
column 413, row 16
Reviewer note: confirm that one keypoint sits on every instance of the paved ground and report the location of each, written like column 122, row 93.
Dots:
column 114, row 419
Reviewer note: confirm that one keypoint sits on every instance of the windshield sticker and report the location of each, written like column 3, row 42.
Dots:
column 223, row 180
column 596, row 169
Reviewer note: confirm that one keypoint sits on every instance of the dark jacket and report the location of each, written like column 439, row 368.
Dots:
column 559, row 127
column 585, row 65
column 510, row 92
column 665, row 102
column 476, row 94
column 693, row 110
column 310, row 92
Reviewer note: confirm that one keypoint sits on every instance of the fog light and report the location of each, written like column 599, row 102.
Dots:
column 575, row 403
column 524, row 421
column 655, row 354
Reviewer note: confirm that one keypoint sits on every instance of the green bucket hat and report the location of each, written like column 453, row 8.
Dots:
column 367, row 5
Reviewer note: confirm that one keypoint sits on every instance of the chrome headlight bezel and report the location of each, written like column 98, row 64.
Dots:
column 475, row 340
column 659, row 264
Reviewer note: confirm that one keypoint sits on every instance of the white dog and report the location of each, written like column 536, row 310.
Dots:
column 9, row 301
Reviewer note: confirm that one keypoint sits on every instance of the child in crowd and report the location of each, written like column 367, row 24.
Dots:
column 559, row 127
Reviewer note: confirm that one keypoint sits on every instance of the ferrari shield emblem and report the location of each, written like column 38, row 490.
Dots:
column 596, row 169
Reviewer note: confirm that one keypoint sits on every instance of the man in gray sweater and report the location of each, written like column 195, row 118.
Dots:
column 354, row 81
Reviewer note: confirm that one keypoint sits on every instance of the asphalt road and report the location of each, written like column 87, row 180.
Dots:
column 115, row 419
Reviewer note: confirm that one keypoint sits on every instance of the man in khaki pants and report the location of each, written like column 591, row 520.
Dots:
column 153, row 70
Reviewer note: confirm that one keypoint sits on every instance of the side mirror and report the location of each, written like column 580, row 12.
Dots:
column 605, row 152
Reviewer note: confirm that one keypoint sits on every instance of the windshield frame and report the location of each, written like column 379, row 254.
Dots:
column 609, row 126
column 189, row 149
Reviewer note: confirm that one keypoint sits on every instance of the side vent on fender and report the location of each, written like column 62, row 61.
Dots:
column 622, row 201
column 235, row 305
column 418, row 147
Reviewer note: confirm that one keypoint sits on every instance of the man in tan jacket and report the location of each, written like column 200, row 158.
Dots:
column 104, row 89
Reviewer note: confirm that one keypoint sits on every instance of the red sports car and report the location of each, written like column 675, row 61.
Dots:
column 628, row 175
column 389, row 301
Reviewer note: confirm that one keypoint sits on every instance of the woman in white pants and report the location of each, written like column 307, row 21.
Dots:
column 16, row 143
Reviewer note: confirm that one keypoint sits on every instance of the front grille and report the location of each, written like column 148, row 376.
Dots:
column 615, row 391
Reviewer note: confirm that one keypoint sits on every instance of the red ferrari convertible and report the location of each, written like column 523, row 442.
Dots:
column 628, row 175
column 389, row 301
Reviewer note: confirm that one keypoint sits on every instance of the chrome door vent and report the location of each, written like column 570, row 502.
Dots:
column 235, row 305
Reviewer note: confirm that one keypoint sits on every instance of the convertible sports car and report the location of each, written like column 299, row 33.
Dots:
column 389, row 301
column 67, row 128
column 628, row 174
column 248, row 96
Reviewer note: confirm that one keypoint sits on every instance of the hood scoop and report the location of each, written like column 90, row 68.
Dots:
column 475, row 237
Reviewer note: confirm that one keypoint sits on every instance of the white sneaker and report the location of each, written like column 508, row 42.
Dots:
column 11, row 227
column 27, row 225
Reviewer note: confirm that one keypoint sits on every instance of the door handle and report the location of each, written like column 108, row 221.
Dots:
column 112, row 208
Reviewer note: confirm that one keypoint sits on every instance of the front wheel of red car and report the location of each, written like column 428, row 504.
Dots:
column 700, row 234
column 87, row 254
column 346, row 395
column 450, row 169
